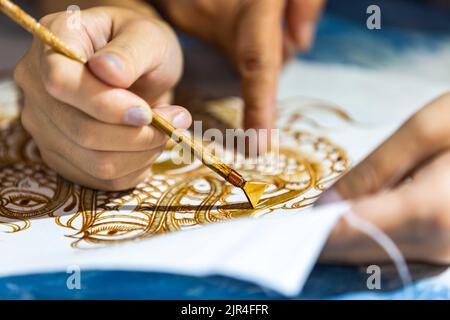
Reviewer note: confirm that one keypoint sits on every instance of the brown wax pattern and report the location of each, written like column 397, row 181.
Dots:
column 174, row 197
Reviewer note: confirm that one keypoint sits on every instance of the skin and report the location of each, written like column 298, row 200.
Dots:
column 403, row 188
column 96, row 118
column 93, row 134
column 100, row 147
column 415, row 213
column 251, row 34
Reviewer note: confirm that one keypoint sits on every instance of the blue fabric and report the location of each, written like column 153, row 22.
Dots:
column 325, row 282
column 342, row 38
column 346, row 39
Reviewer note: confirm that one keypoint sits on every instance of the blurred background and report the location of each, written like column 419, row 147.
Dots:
column 414, row 40
column 412, row 30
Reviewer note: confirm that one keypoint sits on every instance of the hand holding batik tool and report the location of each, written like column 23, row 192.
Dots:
column 252, row 190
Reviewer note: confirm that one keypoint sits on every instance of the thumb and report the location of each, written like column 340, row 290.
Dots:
column 421, row 137
column 136, row 48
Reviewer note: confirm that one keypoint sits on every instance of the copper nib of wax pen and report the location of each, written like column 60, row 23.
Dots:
column 252, row 190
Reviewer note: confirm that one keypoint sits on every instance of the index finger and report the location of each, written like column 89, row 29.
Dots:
column 259, row 55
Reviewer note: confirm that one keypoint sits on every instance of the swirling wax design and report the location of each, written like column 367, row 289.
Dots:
column 175, row 197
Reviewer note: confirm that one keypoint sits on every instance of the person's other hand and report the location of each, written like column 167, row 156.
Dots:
column 404, row 189
column 256, row 35
column 91, row 124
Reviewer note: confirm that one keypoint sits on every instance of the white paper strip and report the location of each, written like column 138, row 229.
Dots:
column 276, row 252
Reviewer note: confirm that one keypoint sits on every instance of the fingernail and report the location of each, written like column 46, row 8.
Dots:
column 138, row 116
column 113, row 60
column 306, row 34
column 328, row 197
column 181, row 120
